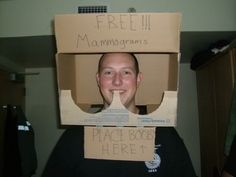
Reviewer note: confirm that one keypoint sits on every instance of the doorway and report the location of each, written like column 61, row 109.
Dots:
column 12, row 92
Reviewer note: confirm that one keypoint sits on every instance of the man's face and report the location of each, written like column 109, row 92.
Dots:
column 117, row 73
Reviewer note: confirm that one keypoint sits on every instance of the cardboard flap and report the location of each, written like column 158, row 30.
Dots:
column 117, row 115
column 114, row 143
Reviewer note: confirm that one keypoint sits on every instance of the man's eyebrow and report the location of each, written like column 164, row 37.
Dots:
column 110, row 67
column 106, row 67
column 130, row 68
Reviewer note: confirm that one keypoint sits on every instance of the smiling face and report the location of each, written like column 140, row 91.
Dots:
column 117, row 72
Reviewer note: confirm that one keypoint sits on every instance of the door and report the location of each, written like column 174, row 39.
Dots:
column 11, row 92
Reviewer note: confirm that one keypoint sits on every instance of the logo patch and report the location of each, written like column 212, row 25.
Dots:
column 155, row 163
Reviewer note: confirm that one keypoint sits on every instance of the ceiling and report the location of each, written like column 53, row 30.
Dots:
column 39, row 51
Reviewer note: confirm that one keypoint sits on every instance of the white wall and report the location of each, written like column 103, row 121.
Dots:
column 41, row 110
column 33, row 18
column 187, row 120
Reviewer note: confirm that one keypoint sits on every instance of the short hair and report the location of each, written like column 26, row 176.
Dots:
column 136, row 64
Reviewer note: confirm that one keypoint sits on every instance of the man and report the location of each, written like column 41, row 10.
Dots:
column 119, row 72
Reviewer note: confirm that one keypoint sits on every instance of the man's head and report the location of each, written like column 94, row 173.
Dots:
column 119, row 72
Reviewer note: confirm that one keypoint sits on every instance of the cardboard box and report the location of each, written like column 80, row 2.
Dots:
column 153, row 37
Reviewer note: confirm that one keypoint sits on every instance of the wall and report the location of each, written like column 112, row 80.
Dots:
column 41, row 110
column 8, row 65
column 36, row 16
column 187, row 120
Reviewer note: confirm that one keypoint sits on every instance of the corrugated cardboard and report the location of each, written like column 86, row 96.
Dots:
column 116, row 143
column 154, row 37
column 158, row 89
column 118, row 32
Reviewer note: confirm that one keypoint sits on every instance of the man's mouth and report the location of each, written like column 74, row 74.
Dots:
column 121, row 91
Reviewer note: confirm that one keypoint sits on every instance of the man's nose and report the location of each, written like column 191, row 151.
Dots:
column 117, row 80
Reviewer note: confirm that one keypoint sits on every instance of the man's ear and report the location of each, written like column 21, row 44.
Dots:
column 139, row 78
column 98, row 79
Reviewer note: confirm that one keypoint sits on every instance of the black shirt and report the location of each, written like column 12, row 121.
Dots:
column 171, row 159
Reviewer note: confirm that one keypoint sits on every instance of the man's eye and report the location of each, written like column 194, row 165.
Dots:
column 107, row 73
column 127, row 72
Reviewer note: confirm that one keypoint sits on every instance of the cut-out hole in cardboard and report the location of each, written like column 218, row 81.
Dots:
column 77, row 73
